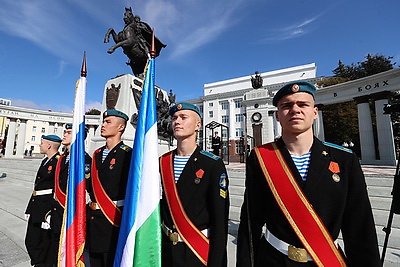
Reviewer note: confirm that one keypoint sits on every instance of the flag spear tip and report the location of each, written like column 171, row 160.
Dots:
column 83, row 69
column 153, row 46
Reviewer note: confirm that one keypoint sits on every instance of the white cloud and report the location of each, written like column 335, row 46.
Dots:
column 293, row 31
column 184, row 25
column 93, row 105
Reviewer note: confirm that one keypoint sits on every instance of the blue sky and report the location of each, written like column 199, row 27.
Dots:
column 42, row 42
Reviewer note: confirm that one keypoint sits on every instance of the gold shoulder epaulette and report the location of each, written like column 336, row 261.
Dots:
column 209, row 154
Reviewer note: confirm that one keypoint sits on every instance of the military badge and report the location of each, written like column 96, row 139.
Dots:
column 200, row 173
column 223, row 184
column 87, row 170
column 112, row 163
column 334, row 167
column 179, row 107
column 49, row 169
column 295, row 88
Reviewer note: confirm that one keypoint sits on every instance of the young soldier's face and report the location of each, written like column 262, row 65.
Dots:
column 111, row 126
column 44, row 146
column 185, row 123
column 67, row 137
column 296, row 113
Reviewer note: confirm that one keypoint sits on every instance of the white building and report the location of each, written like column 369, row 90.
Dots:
column 229, row 103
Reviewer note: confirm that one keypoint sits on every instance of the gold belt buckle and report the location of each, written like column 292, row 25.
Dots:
column 297, row 254
column 174, row 237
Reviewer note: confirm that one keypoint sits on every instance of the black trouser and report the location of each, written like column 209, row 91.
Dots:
column 37, row 242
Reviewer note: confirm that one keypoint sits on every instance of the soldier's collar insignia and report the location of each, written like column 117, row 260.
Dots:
column 324, row 153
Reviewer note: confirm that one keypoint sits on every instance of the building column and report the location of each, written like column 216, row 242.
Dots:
column 387, row 152
column 270, row 135
column 10, row 138
column 365, row 130
column 21, row 139
column 319, row 125
column 277, row 127
column 51, row 127
column 232, row 133
column 90, row 135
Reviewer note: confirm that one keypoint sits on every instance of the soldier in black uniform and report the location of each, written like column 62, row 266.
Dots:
column 202, row 188
column 110, row 166
column 61, row 176
column 38, row 235
column 332, row 183
column 216, row 143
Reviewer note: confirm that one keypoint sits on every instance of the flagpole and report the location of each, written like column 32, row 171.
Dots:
column 83, row 69
column 153, row 46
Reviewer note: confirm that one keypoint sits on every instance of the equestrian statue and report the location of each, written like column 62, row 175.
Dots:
column 135, row 40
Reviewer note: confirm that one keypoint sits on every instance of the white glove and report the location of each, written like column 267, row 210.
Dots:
column 46, row 225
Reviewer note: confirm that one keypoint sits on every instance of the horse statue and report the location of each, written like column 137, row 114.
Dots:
column 135, row 40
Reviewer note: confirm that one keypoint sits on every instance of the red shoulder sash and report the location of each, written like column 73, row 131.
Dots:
column 193, row 237
column 107, row 206
column 59, row 194
column 298, row 211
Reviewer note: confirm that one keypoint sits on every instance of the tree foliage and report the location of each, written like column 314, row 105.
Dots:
column 341, row 120
column 372, row 64
column 93, row 111
column 341, row 124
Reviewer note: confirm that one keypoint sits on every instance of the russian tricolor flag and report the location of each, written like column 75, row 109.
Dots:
column 73, row 232
column 139, row 242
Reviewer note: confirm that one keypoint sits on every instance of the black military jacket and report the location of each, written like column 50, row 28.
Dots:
column 342, row 205
column 39, row 206
column 206, row 203
column 57, row 212
column 113, row 173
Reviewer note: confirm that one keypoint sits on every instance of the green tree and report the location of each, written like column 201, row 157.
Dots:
column 341, row 124
column 93, row 111
column 372, row 64
column 341, row 120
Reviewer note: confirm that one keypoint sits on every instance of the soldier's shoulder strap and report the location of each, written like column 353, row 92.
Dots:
column 209, row 154
column 337, row 147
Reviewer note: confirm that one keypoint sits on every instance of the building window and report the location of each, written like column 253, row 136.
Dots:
column 34, row 129
column 211, row 114
column 225, row 105
column 225, row 119
column 239, row 132
column 33, row 138
column 224, row 133
column 239, row 117
column 210, row 104
column 238, row 103
column 201, row 108
column 43, row 130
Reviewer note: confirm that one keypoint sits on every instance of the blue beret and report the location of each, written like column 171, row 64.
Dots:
column 116, row 113
column 294, row 87
column 52, row 137
column 183, row 106
column 68, row 126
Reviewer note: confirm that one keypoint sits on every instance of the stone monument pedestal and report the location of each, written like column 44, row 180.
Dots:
column 122, row 99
